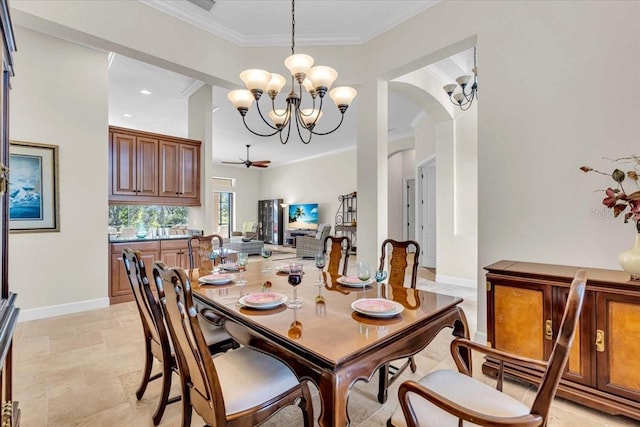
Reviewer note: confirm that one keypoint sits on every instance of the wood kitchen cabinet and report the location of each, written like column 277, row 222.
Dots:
column 175, row 253
column 179, row 170
column 147, row 168
column 525, row 303
column 119, row 287
column 134, row 165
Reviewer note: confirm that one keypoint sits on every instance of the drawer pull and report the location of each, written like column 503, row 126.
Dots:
column 599, row 340
column 548, row 330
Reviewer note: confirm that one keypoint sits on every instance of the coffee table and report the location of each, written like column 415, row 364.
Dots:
column 252, row 247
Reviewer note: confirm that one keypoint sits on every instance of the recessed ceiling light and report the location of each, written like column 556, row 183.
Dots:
column 145, row 92
column 127, row 115
column 215, row 108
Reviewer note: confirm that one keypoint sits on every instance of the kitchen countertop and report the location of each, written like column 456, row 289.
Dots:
column 147, row 239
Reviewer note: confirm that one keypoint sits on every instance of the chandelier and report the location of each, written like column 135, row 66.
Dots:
column 463, row 99
column 315, row 81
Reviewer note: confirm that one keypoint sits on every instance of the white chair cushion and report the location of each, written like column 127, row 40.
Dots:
column 463, row 390
column 249, row 378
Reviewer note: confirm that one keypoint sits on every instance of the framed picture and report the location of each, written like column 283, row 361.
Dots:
column 33, row 187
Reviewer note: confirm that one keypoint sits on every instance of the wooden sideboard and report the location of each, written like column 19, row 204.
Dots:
column 525, row 303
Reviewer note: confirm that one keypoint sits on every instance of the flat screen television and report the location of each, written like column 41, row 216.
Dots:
column 303, row 216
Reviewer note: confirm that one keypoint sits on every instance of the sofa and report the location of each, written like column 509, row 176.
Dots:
column 309, row 246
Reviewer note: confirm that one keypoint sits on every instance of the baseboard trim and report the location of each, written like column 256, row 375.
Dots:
column 466, row 283
column 61, row 309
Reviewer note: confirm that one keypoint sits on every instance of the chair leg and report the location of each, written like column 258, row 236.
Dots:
column 383, row 383
column 186, row 405
column 307, row 406
column 412, row 364
column 164, row 394
column 148, row 362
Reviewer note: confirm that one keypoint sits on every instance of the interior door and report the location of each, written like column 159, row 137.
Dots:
column 427, row 176
column 410, row 195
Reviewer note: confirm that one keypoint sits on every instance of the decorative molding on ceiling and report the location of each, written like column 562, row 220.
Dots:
column 191, row 89
column 325, row 39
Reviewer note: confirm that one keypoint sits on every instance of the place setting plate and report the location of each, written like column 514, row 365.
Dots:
column 217, row 279
column 353, row 281
column 229, row 266
column 263, row 300
column 377, row 307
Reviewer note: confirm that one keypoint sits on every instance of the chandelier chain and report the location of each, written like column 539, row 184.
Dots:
column 293, row 27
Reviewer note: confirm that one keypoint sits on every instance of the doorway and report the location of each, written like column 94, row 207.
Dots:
column 223, row 213
column 427, row 212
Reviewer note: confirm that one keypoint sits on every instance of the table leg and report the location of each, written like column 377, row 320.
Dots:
column 333, row 395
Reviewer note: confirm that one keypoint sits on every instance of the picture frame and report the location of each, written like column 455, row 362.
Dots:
column 33, row 188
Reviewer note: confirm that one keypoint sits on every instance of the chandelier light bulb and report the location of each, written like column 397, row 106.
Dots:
column 463, row 80
column 278, row 117
column 322, row 77
column 310, row 116
column 449, row 88
column 255, row 80
column 275, row 85
column 241, row 99
column 298, row 65
column 342, row 96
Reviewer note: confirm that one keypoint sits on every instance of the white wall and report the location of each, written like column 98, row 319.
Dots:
column 59, row 96
column 319, row 180
column 395, row 192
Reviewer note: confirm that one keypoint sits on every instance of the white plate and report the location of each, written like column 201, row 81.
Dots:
column 217, row 279
column 263, row 300
column 374, row 307
column 285, row 269
column 353, row 281
column 229, row 267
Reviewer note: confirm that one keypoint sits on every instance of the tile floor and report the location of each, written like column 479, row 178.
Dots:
column 83, row 369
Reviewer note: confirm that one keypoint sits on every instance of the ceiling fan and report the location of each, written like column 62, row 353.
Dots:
column 248, row 163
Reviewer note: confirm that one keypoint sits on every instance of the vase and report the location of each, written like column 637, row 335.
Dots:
column 141, row 232
column 630, row 260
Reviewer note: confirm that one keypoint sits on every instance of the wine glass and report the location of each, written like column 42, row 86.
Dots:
column 320, row 263
column 266, row 254
column 213, row 255
column 294, row 279
column 364, row 273
column 380, row 275
column 223, row 253
column 241, row 262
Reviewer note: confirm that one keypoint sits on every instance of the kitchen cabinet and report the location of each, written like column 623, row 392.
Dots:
column 119, row 287
column 271, row 221
column 134, row 165
column 179, row 170
column 525, row 303
column 175, row 253
column 153, row 169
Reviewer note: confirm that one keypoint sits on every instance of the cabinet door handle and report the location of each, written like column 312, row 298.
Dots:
column 548, row 330
column 599, row 340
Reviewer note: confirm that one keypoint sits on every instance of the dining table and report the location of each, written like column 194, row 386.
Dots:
column 345, row 330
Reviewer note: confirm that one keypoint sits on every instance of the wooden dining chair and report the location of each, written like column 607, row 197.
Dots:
column 449, row 398
column 339, row 249
column 156, row 338
column 241, row 387
column 401, row 253
column 201, row 253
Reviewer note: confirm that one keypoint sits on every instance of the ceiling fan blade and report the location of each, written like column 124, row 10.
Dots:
column 261, row 161
column 234, row 163
column 259, row 165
